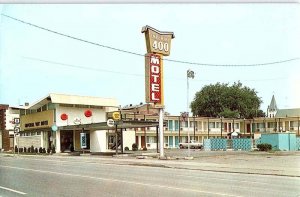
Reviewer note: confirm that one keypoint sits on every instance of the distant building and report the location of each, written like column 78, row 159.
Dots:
column 7, row 125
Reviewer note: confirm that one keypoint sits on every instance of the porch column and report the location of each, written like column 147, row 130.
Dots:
column 56, row 140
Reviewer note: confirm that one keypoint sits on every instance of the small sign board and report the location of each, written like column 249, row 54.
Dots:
column 16, row 129
column 110, row 122
column 16, row 120
column 83, row 140
column 158, row 41
column 54, row 128
column 116, row 116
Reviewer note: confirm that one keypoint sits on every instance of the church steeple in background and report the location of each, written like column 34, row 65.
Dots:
column 272, row 108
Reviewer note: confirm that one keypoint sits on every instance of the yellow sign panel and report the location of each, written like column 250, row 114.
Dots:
column 116, row 116
column 158, row 41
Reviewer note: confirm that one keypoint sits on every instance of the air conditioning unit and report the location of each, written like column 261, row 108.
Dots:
column 166, row 128
column 181, row 128
column 292, row 128
column 258, row 130
column 196, row 129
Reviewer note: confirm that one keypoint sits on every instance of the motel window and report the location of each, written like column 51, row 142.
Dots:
column 212, row 125
column 184, row 139
column 51, row 106
column 176, row 125
column 170, row 125
column 22, row 112
column 294, row 123
column 44, row 108
column 260, row 125
column 166, row 140
column 151, row 139
column 236, row 125
column 185, row 123
column 271, row 124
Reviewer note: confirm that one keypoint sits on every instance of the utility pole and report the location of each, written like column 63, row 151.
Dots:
column 190, row 74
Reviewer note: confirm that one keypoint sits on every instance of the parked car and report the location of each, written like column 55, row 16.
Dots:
column 193, row 144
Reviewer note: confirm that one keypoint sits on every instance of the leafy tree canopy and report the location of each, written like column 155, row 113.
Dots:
column 222, row 100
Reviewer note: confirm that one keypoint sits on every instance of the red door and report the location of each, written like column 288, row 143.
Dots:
column 143, row 144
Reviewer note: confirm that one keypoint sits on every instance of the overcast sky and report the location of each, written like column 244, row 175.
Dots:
column 204, row 33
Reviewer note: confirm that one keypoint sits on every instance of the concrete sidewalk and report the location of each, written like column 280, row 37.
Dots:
column 260, row 163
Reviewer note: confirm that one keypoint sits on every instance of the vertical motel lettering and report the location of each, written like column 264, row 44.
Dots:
column 155, row 79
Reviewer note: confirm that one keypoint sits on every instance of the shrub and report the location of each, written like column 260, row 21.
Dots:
column 264, row 147
column 53, row 149
column 16, row 149
column 134, row 147
column 25, row 149
column 144, row 148
column 32, row 149
column 20, row 150
column 43, row 150
column 40, row 150
column 126, row 148
column 36, row 150
column 48, row 150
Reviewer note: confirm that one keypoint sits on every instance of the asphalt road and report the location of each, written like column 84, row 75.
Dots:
column 50, row 176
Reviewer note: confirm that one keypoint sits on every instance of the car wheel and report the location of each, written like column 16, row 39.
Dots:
column 180, row 146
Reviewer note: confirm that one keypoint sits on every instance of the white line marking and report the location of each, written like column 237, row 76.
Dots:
column 12, row 190
column 122, row 181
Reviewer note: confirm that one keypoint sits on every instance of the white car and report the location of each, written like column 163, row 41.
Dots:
column 193, row 144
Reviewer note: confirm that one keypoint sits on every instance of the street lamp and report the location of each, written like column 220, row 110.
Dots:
column 189, row 74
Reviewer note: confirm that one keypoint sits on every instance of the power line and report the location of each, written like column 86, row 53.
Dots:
column 80, row 67
column 139, row 54
column 132, row 74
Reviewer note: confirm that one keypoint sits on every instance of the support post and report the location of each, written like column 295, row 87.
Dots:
column 116, row 139
column 161, row 132
column 194, row 127
column 298, row 127
column 221, row 127
column 122, row 141
column 157, row 139
column 179, row 124
column 207, row 128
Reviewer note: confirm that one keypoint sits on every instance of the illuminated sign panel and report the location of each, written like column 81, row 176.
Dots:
column 154, row 78
column 158, row 41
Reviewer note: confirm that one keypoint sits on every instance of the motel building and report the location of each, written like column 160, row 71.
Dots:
column 176, row 128
column 59, row 120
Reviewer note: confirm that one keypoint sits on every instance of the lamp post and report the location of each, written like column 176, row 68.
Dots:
column 189, row 74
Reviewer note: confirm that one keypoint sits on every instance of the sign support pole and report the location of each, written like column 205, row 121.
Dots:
column 161, row 132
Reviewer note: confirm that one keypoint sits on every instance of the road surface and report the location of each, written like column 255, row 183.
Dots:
column 47, row 176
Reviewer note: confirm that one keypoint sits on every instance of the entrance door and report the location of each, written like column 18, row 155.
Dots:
column 66, row 141
column 137, row 140
column 143, row 144
column 248, row 128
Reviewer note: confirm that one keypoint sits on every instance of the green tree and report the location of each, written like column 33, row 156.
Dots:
column 236, row 101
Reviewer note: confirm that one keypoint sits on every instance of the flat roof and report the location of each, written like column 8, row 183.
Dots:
column 74, row 99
